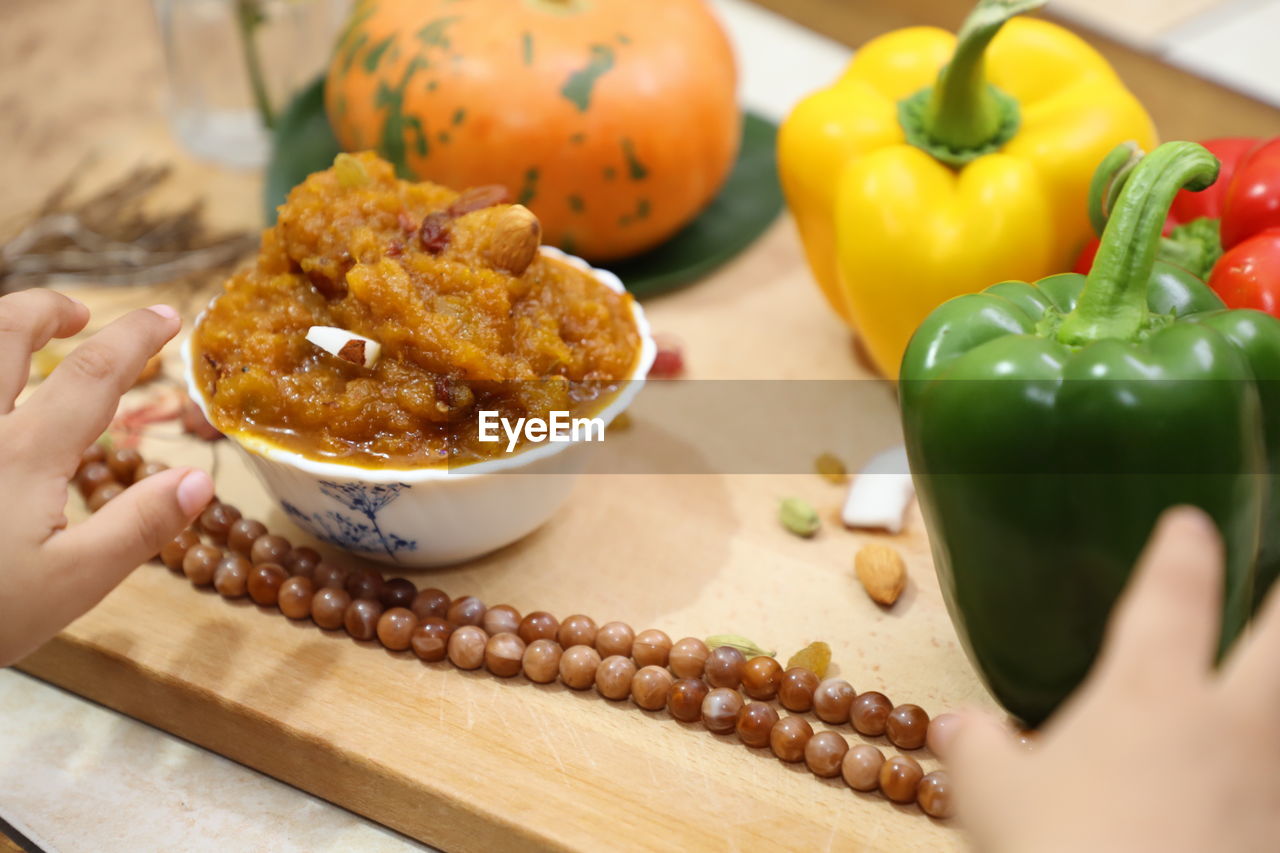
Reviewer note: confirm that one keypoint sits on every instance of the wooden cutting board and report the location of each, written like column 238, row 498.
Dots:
column 466, row 761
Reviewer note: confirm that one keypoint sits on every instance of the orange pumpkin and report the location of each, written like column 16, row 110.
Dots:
column 614, row 120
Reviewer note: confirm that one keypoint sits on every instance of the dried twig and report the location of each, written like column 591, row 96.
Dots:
column 109, row 238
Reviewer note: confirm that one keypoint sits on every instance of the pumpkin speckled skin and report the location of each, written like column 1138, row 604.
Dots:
column 615, row 121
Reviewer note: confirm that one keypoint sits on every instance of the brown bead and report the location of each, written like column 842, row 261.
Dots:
column 870, row 712
column 789, row 738
column 824, row 753
column 685, row 699
column 95, row 452
column 795, row 692
column 302, row 562
column 329, row 607
column 264, row 583
column 430, row 602
column 467, row 610
column 466, row 647
column 755, row 723
column 430, row 640
column 173, row 552
column 942, row 729
column 761, row 677
column 538, row 625
column 295, row 597
column 861, row 767
column 542, row 660
column 651, row 648
column 366, row 583
column 216, row 520
column 502, row 619
column 720, row 710
column 269, row 548
column 578, row 666
column 577, row 630
column 231, row 576
column 92, row 476
column 907, row 726
column 615, row 638
column 724, row 667
column 146, row 469
column 504, row 654
column 243, row 533
column 200, row 563
column 650, row 687
column 395, row 628
column 398, row 592
column 123, row 461
column 613, row 677
column 361, row 618
column 688, row 658
column 934, row 794
column 832, row 700
column 329, row 576
column 102, row 494
column 899, row 777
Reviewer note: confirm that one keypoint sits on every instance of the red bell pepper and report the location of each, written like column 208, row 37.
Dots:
column 1239, row 213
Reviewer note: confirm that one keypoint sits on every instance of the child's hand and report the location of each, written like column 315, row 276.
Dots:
column 1156, row 751
column 50, row 575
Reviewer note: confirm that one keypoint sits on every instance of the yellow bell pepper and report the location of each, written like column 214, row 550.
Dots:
column 938, row 164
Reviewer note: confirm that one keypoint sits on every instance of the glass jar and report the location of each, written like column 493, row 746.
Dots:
column 233, row 65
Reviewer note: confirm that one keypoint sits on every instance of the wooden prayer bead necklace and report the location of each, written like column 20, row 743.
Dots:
column 694, row 683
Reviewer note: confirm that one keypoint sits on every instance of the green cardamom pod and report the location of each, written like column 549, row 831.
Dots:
column 740, row 643
column 799, row 517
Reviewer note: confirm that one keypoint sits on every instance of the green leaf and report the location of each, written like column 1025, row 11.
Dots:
column 303, row 143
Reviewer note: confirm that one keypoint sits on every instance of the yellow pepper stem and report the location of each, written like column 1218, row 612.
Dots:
column 962, row 116
column 1113, row 303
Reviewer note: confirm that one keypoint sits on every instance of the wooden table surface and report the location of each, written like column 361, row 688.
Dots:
column 465, row 761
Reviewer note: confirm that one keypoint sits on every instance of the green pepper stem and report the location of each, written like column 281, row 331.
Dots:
column 1108, row 180
column 1114, row 301
column 963, row 111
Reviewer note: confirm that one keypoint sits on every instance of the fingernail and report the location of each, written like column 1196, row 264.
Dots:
column 1189, row 516
column 195, row 490
column 164, row 311
column 942, row 733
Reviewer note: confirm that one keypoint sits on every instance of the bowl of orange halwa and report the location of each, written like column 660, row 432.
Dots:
column 411, row 375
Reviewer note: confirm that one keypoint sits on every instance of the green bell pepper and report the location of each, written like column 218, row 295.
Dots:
column 1049, row 425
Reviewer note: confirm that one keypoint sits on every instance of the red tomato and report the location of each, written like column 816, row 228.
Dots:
column 1209, row 202
column 1248, row 276
column 1252, row 203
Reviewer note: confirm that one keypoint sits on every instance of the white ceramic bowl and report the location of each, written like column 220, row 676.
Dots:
column 420, row 517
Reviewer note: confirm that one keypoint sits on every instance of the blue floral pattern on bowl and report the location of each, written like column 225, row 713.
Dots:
column 348, row 531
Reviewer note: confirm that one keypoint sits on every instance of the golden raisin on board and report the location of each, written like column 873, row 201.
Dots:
column 815, row 657
column 831, row 468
